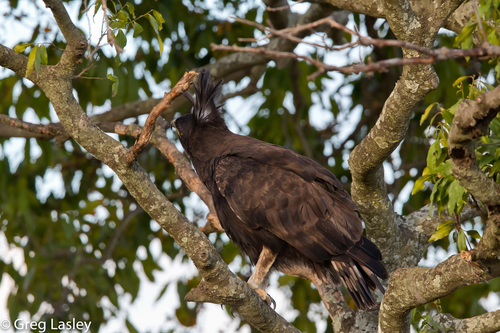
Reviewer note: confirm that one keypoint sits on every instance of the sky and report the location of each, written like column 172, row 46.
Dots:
column 147, row 313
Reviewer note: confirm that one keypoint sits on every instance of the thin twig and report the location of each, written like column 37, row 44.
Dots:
column 431, row 56
column 276, row 9
column 111, row 38
column 378, row 66
column 143, row 139
column 479, row 22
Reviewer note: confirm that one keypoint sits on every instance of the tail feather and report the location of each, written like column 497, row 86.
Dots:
column 355, row 284
column 360, row 270
column 367, row 254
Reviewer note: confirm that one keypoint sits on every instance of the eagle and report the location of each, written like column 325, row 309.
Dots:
column 283, row 210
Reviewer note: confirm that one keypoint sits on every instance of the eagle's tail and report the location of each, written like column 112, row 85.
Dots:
column 360, row 271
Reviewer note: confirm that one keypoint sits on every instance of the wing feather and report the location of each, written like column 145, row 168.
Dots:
column 305, row 207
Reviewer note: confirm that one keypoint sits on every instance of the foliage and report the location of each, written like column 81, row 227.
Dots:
column 447, row 195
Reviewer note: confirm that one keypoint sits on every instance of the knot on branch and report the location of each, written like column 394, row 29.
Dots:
column 205, row 260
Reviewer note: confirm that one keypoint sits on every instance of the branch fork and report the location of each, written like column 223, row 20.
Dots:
column 145, row 136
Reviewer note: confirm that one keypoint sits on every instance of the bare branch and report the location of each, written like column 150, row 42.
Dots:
column 143, row 140
column 432, row 56
column 485, row 323
column 109, row 32
column 50, row 130
column 411, row 287
column 13, row 61
column 77, row 43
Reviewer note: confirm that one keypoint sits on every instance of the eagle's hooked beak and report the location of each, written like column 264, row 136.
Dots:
column 172, row 125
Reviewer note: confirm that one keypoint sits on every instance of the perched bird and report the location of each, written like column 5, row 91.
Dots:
column 283, row 210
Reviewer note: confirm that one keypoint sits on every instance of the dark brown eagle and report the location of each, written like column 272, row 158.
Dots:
column 284, row 211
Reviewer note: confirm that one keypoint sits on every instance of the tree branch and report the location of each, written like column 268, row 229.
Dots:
column 178, row 160
column 49, row 130
column 485, row 323
column 411, row 287
column 195, row 244
column 480, row 264
column 13, row 61
column 76, row 42
column 145, row 136
column 471, row 121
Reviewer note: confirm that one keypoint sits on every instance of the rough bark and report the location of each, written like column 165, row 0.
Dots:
column 480, row 264
column 403, row 240
column 55, row 82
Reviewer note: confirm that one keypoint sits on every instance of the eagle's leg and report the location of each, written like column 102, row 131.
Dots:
column 260, row 276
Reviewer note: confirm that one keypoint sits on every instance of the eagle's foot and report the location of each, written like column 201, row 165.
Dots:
column 266, row 297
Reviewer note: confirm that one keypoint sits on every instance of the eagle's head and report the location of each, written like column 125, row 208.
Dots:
column 192, row 127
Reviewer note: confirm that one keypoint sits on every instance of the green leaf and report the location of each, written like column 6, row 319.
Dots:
column 118, row 24
column 433, row 155
column 443, row 169
column 420, row 184
column 19, row 48
column 121, row 39
column 474, row 234
column 131, row 9
column 159, row 19
column 160, row 43
column 427, row 112
column 130, row 327
column 465, row 35
column 114, row 89
column 443, row 230
column 31, row 60
column 461, row 241
column 137, row 29
column 458, row 82
column 163, row 290
column 492, row 37
column 455, row 197
column 114, row 86
column 112, row 77
column 43, row 55
column 123, row 16
column 153, row 22
column 38, row 59
column 448, row 115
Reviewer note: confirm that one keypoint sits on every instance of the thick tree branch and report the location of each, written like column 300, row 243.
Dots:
column 485, row 323
column 13, row 61
column 471, row 121
column 344, row 319
column 368, row 187
column 195, row 244
column 411, row 287
column 480, row 264
column 76, row 41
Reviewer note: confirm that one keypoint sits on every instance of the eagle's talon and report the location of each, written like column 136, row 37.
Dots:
column 231, row 313
column 266, row 297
